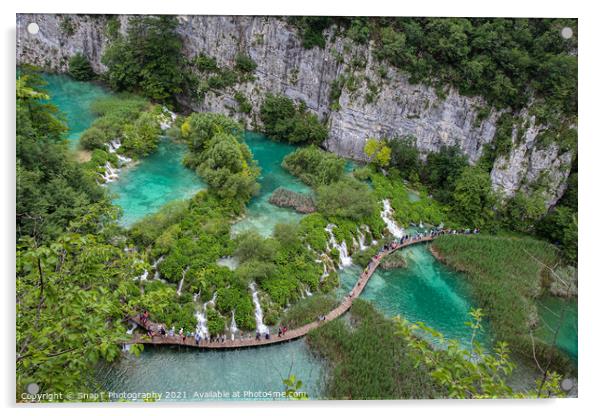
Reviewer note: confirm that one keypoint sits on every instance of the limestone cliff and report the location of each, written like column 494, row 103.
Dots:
column 376, row 100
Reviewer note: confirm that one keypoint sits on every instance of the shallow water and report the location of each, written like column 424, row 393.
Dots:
column 550, row 308
column 144, row 188
column 261, row 215
column 73, row 98
column 187, row 370
column 424, row 291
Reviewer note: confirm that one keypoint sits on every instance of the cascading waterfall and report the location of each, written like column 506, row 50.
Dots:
column 155, row 266
column 113, row 146
column 143, row 276
column 126, row 347
column 166, row 119
column 179, row 291
column 344, row 257
column 233, row 327
column 261, row 328
column 201, row 318
column 387, row 216
column 111, row 174
column 362, row 238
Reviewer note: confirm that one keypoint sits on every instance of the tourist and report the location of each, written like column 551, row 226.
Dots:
column 267, row 334
column 257, row 336
column 162, row 331
column 284, row 330
column 172, row 331
column 279, row 331
column 197, row 338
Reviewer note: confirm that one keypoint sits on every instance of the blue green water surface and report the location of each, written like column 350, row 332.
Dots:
column 74, row 98
column 551, row 320
column 424, row 291
column 157, row 179
column 261, row 215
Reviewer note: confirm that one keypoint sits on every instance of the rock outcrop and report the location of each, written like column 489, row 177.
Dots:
column 286, row 198
column 377, row 100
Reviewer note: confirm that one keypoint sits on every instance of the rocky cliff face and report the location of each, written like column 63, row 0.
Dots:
column 376, row 101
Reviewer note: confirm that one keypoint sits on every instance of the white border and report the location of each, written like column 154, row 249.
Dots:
column 590, row 218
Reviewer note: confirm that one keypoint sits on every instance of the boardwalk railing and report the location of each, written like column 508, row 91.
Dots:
column 289, row 335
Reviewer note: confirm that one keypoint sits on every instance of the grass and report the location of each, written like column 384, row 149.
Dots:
column 368, row 360
column 507, row 277
column 307, row 310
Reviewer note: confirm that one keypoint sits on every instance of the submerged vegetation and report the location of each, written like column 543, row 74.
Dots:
column 372, row 357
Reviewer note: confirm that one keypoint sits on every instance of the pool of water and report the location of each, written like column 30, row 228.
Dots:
column 74, row 98
column 261, row 215
column 246, row 374
column 424, row 291
column 144, row 188
column 550, row 308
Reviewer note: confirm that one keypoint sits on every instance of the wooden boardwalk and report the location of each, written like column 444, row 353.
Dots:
column 274, row 338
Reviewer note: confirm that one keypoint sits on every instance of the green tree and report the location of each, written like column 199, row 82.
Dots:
column 148, row 60
column 314, row 166
column 284, row 120
column 80, row 68
column 378, row 151
column 347, row 198
column 523, row 210
column 405, row 156
column 473, row 198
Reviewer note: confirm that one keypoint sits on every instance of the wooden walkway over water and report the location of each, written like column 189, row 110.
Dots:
column 274, row 339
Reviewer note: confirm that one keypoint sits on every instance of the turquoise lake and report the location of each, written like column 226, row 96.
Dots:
column 261, row 215
column 161, row 177
column 424, row 291
column 74, row 98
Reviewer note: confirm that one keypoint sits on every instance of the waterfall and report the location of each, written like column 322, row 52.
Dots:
column 261, row 328
column 421, row 225
column 233, row 327
column 344, row 257
column 201, row 317
column 167, row 118
column 143, row 276
column 110, row 174
column 179, row 292
column 361, row 240
column 387, row 216
column 155, row 266
column 126, row 347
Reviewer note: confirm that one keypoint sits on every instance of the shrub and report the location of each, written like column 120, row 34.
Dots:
column 244, row 63
column 284, row 120
column 80, row 68
column 347, row 198
column 314, row 166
